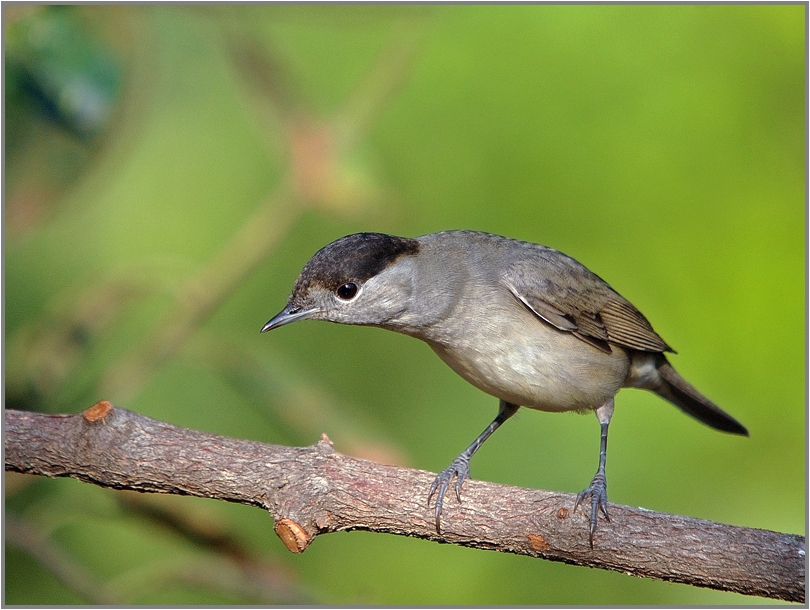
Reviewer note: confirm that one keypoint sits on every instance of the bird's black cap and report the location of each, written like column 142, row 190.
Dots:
column 356, row 257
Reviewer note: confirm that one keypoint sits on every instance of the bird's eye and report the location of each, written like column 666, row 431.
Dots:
column 347, row 291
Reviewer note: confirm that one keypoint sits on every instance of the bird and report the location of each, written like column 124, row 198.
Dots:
column 520, row 321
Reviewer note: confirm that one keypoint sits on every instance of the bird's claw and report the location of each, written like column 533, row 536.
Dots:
column 598, row 493
column 460, row 470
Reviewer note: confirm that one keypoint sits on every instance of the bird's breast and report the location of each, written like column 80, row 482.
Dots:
column 523, row 360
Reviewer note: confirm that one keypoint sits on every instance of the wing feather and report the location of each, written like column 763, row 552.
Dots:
column 573, row 299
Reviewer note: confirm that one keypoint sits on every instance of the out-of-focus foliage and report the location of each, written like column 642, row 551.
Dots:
column 55, row 70
column 169, row 169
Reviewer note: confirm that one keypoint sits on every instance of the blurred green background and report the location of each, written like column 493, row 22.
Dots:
column 169, row 170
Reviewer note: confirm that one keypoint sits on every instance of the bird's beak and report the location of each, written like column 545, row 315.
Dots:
column 289, row 314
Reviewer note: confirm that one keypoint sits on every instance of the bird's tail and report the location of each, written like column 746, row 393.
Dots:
column 680, row 393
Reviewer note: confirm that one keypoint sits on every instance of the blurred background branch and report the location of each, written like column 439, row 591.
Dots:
column 23, row 535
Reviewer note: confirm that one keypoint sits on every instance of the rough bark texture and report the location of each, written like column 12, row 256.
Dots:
column 315, row 490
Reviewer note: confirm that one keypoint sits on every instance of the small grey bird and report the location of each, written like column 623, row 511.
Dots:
column 520, row 321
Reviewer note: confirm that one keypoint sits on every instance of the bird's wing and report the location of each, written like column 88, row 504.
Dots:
column 571, row 298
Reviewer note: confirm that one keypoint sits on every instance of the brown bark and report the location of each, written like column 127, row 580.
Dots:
column 315, row 490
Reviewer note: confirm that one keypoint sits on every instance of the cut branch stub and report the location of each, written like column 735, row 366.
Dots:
column 294, row 537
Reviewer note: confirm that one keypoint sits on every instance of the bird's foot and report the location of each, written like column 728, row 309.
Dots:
column 460, row 469
column 598, row 493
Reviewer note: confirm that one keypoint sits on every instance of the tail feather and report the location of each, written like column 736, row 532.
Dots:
column 679, row 392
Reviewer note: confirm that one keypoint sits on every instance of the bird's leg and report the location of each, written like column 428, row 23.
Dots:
column 598, row 487
column 460, row 467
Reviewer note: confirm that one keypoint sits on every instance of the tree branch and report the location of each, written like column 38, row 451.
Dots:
column 315, row 490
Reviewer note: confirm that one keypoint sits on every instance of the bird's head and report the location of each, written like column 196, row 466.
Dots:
column 364, row 278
